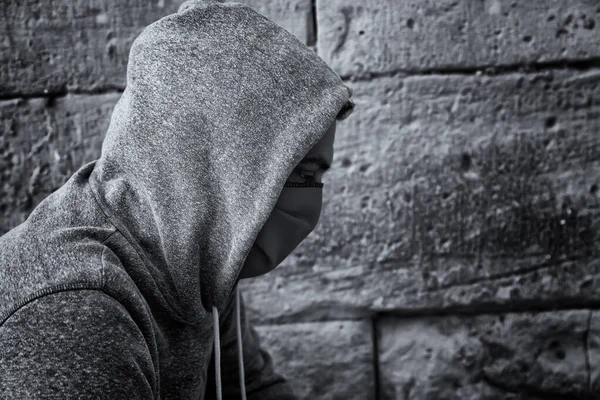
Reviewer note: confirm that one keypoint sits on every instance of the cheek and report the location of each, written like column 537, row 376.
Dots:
column 319, row 176
column 296, row 177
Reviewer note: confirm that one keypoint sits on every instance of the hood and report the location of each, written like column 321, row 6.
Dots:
column 221, row 104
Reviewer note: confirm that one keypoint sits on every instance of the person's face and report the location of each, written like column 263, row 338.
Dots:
column 318, row 160
column 296, row 213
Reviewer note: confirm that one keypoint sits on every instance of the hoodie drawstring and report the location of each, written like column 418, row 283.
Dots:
column 239, row 341
column 217, row 348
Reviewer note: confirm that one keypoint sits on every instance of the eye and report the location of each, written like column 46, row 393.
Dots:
column 307, row 175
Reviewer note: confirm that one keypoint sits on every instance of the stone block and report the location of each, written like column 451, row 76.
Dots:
column 62, row 46
column 294, row 15
column 476, row 192
column 377, row 36
column 42, row 143
column 494, row 357
column 329, row 360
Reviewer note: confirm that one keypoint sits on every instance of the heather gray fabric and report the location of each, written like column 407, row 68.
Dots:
column 108, row 289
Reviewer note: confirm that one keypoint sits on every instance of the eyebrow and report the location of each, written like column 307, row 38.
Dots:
column 318, row 160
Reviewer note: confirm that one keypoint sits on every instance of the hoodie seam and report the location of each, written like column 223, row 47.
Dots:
column 103, row 267
column 115, row 223
column 64, row 287
column 57, row 288
column 112, row 293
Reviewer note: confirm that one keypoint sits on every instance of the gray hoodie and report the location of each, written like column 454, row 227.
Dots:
column 120, row 283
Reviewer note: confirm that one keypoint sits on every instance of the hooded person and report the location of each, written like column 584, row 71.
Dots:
column 122, row 284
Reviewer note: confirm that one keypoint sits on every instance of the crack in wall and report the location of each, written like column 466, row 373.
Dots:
column 342, row 312
column 376, row 372
column 311, row 40
column 494, row 309
column 343, row 36
column 527, row 391
column 551, row 263
column 586, row 344
column 579, row 65
column 53, row 95
column 591, row 65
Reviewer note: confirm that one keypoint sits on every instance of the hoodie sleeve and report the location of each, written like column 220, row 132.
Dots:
column 262, row 382
column 76, row 344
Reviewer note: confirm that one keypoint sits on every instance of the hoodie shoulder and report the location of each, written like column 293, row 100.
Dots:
column 58, row 247
column 75, row 344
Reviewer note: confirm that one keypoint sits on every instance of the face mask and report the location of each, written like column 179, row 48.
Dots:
column 296, row 212
column 294, row 216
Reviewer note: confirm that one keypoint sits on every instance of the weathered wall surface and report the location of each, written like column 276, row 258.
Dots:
column 457, row 255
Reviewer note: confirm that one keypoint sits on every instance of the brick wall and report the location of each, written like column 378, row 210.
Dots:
column 457, row 252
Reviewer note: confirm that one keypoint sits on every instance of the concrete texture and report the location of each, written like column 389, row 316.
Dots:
column 60, row 46
column 42, row 142
column 375, row 36
column 538, row 356
column 326, row 360
column 452, row 192
column 461, row 214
